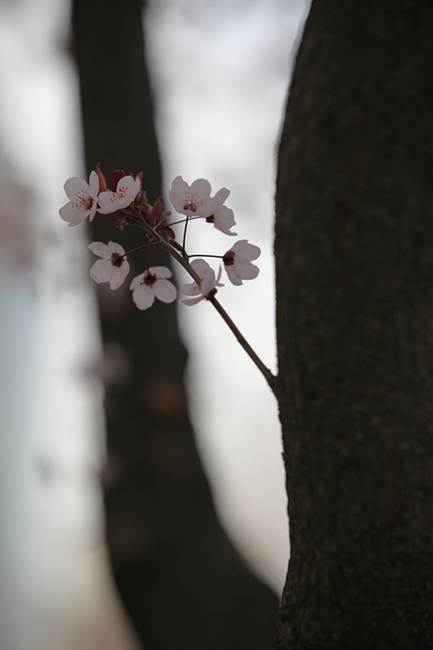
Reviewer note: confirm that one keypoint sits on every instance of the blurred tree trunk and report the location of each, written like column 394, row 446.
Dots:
column 181, row 582
column 354, row 247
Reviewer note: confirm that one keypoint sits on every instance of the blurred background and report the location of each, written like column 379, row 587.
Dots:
column 219, row 72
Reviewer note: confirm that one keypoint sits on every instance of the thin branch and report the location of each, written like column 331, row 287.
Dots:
column 268, row 375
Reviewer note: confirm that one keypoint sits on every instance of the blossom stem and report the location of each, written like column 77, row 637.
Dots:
column 184, row 232
column 268, row 375
column 199, row 255
column 139, row 248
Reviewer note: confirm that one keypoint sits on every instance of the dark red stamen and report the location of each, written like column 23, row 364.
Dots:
column 117, row 259
column 229, row 258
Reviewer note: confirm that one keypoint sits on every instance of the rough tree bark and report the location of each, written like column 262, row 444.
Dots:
column 180, row 579
column 354, row 249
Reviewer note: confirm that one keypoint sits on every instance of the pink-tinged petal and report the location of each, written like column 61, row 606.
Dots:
column 179, row 186
column 101, row 271
column 233, row 275
column 136, row 281
column 118, row 275
column 217, row 282
column 190, row 289
column 192, row 301
column 165, row 291
column 208, row 282
column 246, row 251
column 161, row 271
column 143, row 296
column 114, row 247
column 74, row 186
column 200, row 267
column 248, row 271
column 93, row 210
column 224, row 219
column 72, row 214
column 107, row 202
column 215, row 203
column 201, row 190
column 126, row 191
column 93, row 184
column 100, row 249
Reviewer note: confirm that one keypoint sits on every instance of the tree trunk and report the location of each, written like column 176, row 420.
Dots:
column 180, row 579
column 354, row 249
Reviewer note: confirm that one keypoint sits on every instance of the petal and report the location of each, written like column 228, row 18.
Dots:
column 161, row 271
column 245, row 251
column 233, row 275
column 75, row 185
column 179, row 189
column 190, row 289
column 129, row 187
column 208, row 282
column 143, row 296
column 217, row 282
column 116, row 248
column 201, row 189
column 165, row 291
column 200, row 267
column 93, row 185
column 118, row 275
column 224, row 219
column 136, row 281
column 72, row 214
column 101, row 271
column 247, row 271
column 92, row 211
column 215, row 203
column 191, row 301
column 179, row 186
column 107, row 202
column 100, row 249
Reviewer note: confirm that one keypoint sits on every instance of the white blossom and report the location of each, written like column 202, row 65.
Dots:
column 237, row 262
column 150, row 284
column 223, row 219
column 126, row 191
column 82, row 199
column 113, row 266
column 207, row 285
column 195, row 200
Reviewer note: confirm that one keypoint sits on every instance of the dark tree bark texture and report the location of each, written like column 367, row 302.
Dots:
column 180, row 579
column 354, row 248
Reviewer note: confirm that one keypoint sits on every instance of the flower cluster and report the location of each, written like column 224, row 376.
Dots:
column 128, row 201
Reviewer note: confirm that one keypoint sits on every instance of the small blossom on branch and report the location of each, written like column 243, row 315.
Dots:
column 82, row 199
column 223, row 220
column 113, row 266
column 153, row 284
column 237, row 262
column 206, row 288
column 195, row 200
column 127, row 189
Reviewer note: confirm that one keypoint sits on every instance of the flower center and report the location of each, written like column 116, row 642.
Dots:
column 149, row 278
column 117, row 259
column 82, row 201
column 189, row 205
column 229, row 258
